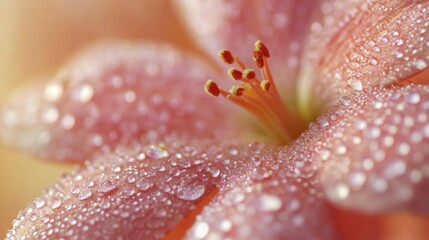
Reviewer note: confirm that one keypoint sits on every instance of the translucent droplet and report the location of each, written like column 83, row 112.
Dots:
column 68, row 121
column 39, row 202
column 357, row 179
column 130, row 96
column 50, row 115
column 355, row 84
column 55, row 203
column 83, row 93
column 413, row 98
column 53, row 91
column 156, row 152
column 190, row 189
column 143, row 185
column 267, row 203
column 107, row 186
column 322, row 121
column 420, row 64
column 201, row 230
column 339, row 191
column 85, row 194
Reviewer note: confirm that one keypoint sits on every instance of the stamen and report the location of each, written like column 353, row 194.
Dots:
column 265, row 85
column 212, row 88
column 226, row 56
column 249, row 74
column 260, row 98
column 235, row 74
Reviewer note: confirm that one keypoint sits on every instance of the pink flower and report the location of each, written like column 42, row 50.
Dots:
column 159, row 149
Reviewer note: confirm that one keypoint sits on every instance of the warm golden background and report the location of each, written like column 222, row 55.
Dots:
column 36, row 37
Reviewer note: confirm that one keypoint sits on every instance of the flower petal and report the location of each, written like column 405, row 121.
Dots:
column 279, row 198
column 138, row 192
column 236, row 25
column 358, row 44
column 373, row 150
column 114, row 93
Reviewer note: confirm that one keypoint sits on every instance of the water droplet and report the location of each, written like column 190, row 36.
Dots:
column 85, row 194
column 373, row 61
column 143, row 185
column 107, row 186
column 398, row 54
column 83, row 93
column 355, row 84
column 267, row 203
column 225, row 225
column 413, row 98
column 39, row 202
column 53, row 91
column 130, row 96
column 339, row 191
column 215, row 172
column 420, row 64
column 50, row 115
column 156, row 152
column 403, row 149
column 55, row 203
column 190, row 189
column 201, row 230
column 322, row 121
column 68, row 121
column 379, row 184
column 357, row 179
column 395, row 168
column 131, row 179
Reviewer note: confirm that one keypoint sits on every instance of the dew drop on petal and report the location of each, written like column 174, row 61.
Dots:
column 55, row 203
column 107, row 186
column 201, row 230
column 267, row 203
column 85, row 194
column 156, row 152
column 190, row 190
column 142, row 184
column 39, row 202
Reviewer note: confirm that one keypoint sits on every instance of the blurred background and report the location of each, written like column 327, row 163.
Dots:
column 36, row 38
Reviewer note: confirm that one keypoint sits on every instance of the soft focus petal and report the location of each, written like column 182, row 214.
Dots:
column 278, row 199
column 236, row 25
column 357, row 44
column 113, row 94
column 373, row 152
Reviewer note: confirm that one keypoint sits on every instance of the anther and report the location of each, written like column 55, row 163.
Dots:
column 236, row 91
column 212, row 88
column 249, row 74
column 265, row 85
column 226, row 56
column 262, row 48
column 258, row 58
column 259, row 96
column 235, row 74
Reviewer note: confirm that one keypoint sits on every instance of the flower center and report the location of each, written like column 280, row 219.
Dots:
column 257, row 96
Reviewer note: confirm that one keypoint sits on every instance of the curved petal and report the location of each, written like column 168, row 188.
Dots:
column 236, row 25
column 111, row 94
column 280, row 198
column 138, row 192
column 373, row 150
column 358, row 44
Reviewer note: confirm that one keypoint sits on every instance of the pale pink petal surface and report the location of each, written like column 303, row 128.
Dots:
column 357, row 44
column 111, row 94
column 372, row 150
column 279, row 199
column 236, row 25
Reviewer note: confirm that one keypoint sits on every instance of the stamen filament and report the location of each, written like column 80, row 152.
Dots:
column 260, row 98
